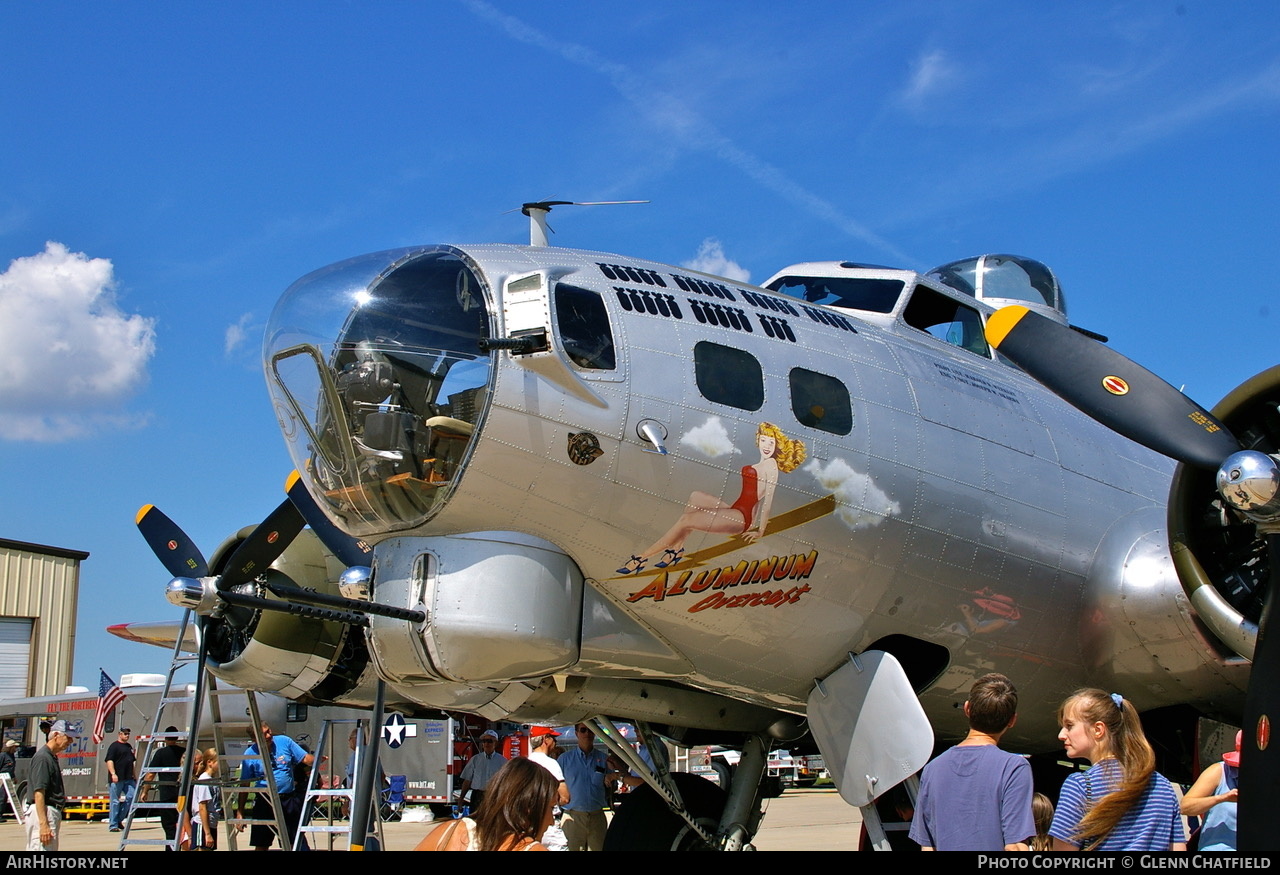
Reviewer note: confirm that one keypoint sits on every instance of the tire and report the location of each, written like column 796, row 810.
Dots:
column 771, row 787
column 724, row 774
column 645, row 823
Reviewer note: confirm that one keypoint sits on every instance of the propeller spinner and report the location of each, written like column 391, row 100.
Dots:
column 223, row 596
column 1137, row 404
column 192, row 587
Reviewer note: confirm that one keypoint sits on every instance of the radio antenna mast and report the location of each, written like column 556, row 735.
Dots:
column 537, row 213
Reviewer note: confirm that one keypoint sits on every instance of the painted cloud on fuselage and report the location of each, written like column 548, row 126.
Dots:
column 859, row 502
column 711, row 439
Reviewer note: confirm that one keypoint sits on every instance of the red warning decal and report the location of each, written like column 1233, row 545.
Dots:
column 1115, row 385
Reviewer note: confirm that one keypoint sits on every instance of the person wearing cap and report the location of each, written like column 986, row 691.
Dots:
column 481, row 768
column 283, row 755
column 120, row 760
column 8, row 764
column 542, row 740
column 45, row 795
column 1213, row 797
column 165, row 784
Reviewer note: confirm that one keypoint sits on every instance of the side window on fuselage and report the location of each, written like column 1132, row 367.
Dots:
column 728, row 376
column 820, row 401
column 584, row 328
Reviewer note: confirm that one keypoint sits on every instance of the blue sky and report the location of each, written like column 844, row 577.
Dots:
column 166, row 170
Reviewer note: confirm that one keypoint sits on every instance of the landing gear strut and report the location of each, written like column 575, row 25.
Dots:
column 679, row 811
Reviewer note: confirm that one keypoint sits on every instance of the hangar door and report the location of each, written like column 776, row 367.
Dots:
column 15, row 656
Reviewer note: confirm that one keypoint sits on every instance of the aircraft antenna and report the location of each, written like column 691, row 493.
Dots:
column 537, row 213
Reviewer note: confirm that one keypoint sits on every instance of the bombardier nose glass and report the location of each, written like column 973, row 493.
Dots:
column 379, row 384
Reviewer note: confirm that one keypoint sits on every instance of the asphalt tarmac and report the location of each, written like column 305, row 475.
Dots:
column 816, row 819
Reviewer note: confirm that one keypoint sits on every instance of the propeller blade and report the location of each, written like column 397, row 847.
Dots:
column 175, row 550
column 263, row 546
column 1259, row 753
column 161, row 634
column 1106, row 386
column 350, row 551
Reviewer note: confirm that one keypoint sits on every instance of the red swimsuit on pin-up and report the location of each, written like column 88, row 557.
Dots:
column 746, row 503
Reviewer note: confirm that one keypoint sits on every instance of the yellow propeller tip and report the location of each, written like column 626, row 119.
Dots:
column 1002, row 321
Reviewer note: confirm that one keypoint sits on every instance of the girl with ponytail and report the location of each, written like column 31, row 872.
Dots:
column 1121, row 803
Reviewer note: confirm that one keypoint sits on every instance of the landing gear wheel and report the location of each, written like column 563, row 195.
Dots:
column 724, row 774
column 645, row 823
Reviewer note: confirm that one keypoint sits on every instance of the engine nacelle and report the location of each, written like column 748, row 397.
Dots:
column 1221, row 558
column 269, row 651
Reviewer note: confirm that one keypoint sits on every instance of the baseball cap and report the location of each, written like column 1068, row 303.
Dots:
column 489, row 733
column 65, row 728
column 541, row 731
column 1232, row 757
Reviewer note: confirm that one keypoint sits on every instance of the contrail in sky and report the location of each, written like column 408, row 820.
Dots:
column 687, row 125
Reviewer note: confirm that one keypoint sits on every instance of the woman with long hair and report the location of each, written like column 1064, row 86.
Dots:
column 747, row 517
column 516, row 811
column 1121, row 803
column 1042, row 815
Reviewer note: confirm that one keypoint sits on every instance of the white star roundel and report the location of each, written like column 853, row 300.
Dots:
column 395, row 730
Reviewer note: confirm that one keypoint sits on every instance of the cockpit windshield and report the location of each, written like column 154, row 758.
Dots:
column 379, row 383
column 872, row 294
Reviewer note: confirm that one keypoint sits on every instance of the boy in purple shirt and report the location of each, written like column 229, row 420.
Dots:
column 976, row 797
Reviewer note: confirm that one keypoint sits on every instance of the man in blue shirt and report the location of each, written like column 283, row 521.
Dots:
column 976, row 797
column 585, row 772
column 285, row 754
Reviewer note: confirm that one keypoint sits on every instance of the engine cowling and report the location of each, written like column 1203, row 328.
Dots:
column 270, row 651
column 1220, row 556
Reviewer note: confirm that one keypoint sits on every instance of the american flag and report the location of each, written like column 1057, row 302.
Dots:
column 109, row 695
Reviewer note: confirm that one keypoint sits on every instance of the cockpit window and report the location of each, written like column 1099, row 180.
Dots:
column 584, row 328
column 875, row 295
column 945, row 319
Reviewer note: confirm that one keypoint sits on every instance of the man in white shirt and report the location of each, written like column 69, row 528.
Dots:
column 542, row 741
column 481, row 768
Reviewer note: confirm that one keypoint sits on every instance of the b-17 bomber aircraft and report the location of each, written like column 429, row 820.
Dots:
column 547, row 485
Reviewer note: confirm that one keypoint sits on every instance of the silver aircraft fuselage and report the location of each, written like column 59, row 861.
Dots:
column 559, row 455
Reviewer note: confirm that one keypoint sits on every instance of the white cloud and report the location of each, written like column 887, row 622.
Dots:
column 710, row 439
column 711, row 259
column 933, row 73
column 69, row 357
column 859, row 502
column 236, row 334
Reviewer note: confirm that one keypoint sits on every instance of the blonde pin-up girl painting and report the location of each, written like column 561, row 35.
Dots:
column 747, row 517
